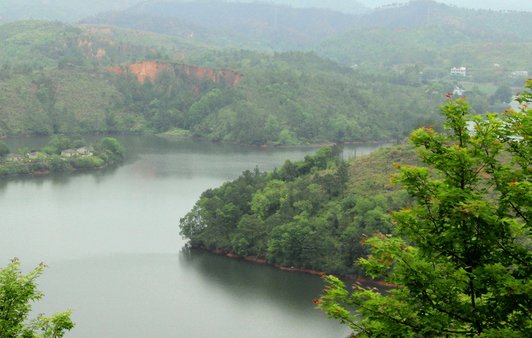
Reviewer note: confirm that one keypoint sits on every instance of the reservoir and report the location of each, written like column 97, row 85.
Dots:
column 111, row 242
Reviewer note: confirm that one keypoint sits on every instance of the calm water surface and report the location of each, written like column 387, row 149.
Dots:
column 115, row 257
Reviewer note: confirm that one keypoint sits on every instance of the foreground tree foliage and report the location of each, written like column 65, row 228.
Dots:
column 17, row 292
column 460, row 258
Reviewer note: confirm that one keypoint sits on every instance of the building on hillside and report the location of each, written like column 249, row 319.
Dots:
column 458, row 91
column 519, row 74
column 69, row 152
column 459, row 71
column 87, row 151
column 83, row 151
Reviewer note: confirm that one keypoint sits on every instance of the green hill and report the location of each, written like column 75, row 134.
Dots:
column 248, row 25
column 60, row 78
column 311, row 214
column 431, row 36
column 57, row 78
column 437, row 37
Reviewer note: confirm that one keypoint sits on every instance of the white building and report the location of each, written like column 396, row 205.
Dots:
column 460, row 71
column 519, row 73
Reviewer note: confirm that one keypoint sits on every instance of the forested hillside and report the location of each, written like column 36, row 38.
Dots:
column 431, row 35
column 228, row 24
column 393, row 69
column 61, row 81
column 309, row 214
column 437, row 37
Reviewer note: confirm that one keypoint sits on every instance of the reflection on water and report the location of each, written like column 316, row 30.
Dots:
column 57, row 179
column 247, row 279
column 111, row 240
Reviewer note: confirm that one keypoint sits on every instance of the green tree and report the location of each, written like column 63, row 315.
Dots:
column 112, row 148
column 461, row 261
column 17, row 292
column 502, row 94
column 4, row 149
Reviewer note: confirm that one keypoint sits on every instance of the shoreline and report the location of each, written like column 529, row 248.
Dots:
column 48, row 172
column 353, row 279
column 196, row 138
column 262, row 261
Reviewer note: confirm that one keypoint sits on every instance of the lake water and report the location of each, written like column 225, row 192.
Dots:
column 115, row 257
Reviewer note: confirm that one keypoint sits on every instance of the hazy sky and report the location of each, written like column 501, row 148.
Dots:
column 522, row 5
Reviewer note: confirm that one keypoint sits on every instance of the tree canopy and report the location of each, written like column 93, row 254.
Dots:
column 308, row 214
column 17, row 292
column 460, row 257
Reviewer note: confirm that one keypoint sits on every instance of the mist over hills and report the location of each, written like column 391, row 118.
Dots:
column 345, row 6
column 248, row 25
column 432, row 13
column 514, row 5
column 427, row 32
column 419, row 32
column 63, row 10
column 74, row 10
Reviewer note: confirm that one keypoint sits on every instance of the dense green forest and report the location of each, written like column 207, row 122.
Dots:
column 309, row 214
column 61, row 78
column 64, row 86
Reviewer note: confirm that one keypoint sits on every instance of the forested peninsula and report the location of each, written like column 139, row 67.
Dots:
column 62, row 154
column 310, row 214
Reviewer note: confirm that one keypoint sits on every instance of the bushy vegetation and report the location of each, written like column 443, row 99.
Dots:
column 60, row 155
column 17, row 293
column 460, row 257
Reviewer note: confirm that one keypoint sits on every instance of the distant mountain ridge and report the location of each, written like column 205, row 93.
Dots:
column 418, row 32
column 247, row 25
column 422, row 13
column 74, row 10
column 344, row 6
column 63, row 10
column 514, row 5
column 427, row 32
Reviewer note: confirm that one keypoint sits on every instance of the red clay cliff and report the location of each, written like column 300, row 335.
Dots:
column 150, row 69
